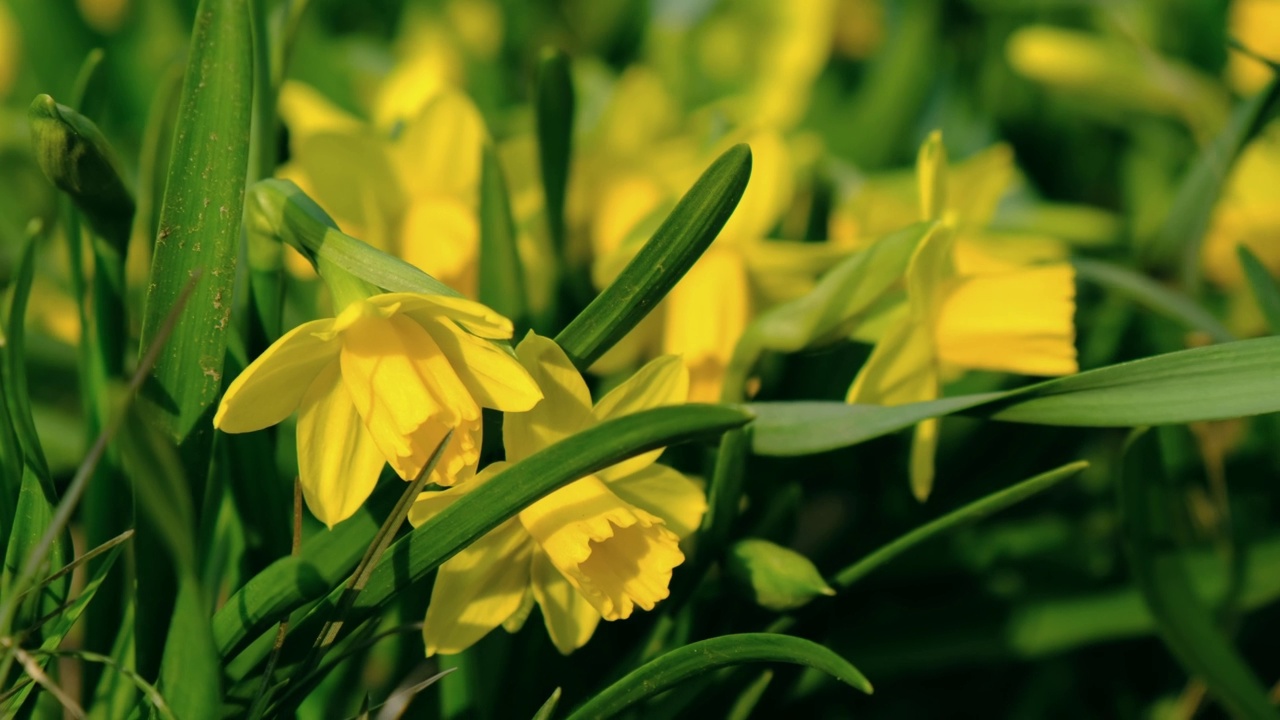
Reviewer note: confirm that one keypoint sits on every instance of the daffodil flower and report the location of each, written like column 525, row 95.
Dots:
column 600, row 547
column 383, row 382
column 967, row 308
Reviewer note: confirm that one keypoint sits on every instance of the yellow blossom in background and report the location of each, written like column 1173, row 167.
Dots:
column 10, row 50
column 600, row 547
column 104, row 16
column 1256, row 25
column 383, row 382
column 414, row 195
column 973, row 310
column 1246, row 214
column 703, row 317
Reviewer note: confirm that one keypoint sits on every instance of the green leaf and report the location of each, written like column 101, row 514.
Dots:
column 414, row 556
column 13, row 367
column 676, row 666
column 1178, row 242
column 1216, row 382
column 200, row 227
column 1265, row 290
column 77, row 158
column 673, row 249
column 502, row 285
column 280, row 209
column 843, row 296
column 1153, row 296
column 779, row 578
column 548, row 707
column 974, row 511
column 553, row 105
column 1152, row 508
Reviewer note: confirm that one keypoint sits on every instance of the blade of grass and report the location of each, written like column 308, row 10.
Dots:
column 972, row 512
column 1216, row 382
column 676, row 666
column 1153, row 509
column 553, row 107
column 200, row 228
column 1265, row 290
column 665, row 258
column 548, row 707
column 502, row 283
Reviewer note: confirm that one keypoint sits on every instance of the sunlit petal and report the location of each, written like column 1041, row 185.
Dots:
column 470, row 315
column 663, row 381
column 617, row 555
column 566, row 405
column 494, row 378
column 570, row 619
column 666, row 493
column 338, row 463
column 477, row 589
column 269, row 390
column 706, row 313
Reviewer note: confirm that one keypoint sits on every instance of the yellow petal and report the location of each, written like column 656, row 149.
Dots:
column 706, row 313
column 431, row 503
column 477, row 589
column 406, row 391
column 901, row 369
column 338, row 463
column 438, row 152
column 617, row 555
column 307, row 112
column 1019, row 322
column 348, row 169
column 270, row 389
column 924, row 445
column 931, row 173
column 472, row 316
column 976, row 186
column 564, row 409
column 768, row 191
column 570, row 619
column 666, row 493
column 493, row 377
column 663, row 381
column 441, row 236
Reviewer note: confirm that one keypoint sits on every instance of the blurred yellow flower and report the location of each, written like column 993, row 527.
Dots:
column 414, row 195
column 383, row 382
column 599, row 547
column 10, row 50
column 964, row 311
column 1256, row 25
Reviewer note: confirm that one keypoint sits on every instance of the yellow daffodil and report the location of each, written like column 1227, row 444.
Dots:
column 383, row 382
column 1256, row 25
column 414, row 194
column 1247, row 215
column 597, row 548
column 971, row 310
column 708, row 310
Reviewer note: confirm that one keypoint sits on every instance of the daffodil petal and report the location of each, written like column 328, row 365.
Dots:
column 404, row 388
column 477, row 589
column 439, row 150
column 666, row 493
column 433, row 502
column 307, row 112
column 493, row 377
column 901, row 369
column 924, row 445
column 565, row 407
column 338, row 463
column 1019, row 322
column 335, row 163
column 617, row 555
column 663, row 381
column 706, row 313
column 440, row 235
column 476, row 318
column 570, row 619
column 270, row 389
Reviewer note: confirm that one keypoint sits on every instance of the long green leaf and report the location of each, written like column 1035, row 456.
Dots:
column 1229, row 380
column 502, row 284
column 1154, row 296
column 1152, row 509
column 664, row 259
column 1178, row 242
column 553, row 105
column 1265, row 290
column 974, row 511
column 692, row 660
column 506, row 494
column 200, row 226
